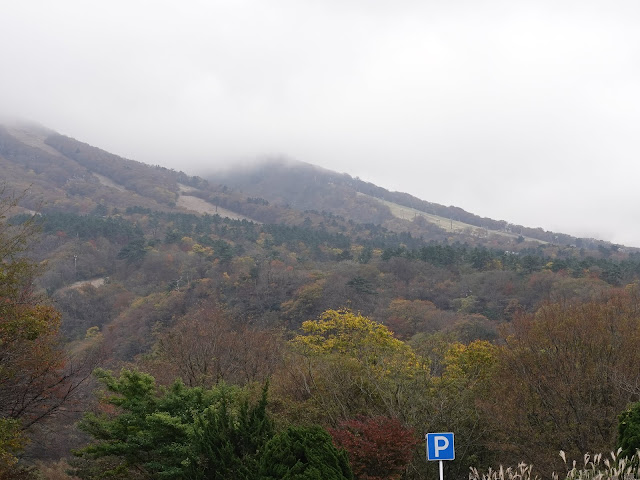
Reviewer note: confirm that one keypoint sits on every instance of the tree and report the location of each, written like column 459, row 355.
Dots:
column 456, row 398
column 35, row 375
column 133, row 251
column 303, row 453
column 175, row 433
column 345, row 364
column 342, row 331
column 379, row 448
column 12, row 441
column 408, row 317
column 229, row 445
column 558, row 379
column 629, row 431
column 205, row 347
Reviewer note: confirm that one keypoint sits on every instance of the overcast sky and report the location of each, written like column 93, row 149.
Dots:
column 525, row 111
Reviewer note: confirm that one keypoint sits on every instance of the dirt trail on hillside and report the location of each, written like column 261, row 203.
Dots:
column 96, row 282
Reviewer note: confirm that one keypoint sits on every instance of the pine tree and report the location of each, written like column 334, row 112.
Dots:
column 176, row 433
column 304, row 453
column 629, row 431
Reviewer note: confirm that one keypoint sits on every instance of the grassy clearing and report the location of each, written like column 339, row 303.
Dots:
column 199, row 205
column 450, row 225
column 107, row 182
column 32, row 138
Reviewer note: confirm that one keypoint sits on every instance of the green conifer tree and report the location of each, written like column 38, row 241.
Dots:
column 629, row 431
column 304, row 453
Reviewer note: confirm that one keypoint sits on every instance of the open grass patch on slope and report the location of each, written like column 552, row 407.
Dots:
column 448, row 224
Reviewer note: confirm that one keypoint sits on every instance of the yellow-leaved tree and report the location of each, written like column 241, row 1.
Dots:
column 458, row 395
column 344, row 364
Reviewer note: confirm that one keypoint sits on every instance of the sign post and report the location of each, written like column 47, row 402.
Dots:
column 440, row 447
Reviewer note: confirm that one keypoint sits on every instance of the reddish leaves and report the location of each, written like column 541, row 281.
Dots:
column 378, row 447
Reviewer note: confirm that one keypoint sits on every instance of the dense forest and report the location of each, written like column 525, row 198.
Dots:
column 141, row 337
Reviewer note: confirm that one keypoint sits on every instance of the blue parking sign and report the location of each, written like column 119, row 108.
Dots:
column 440, row 446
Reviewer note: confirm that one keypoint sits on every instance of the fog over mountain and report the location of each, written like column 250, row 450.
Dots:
column 523, row 111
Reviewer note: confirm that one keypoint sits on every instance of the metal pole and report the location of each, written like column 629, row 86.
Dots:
column 441, row 470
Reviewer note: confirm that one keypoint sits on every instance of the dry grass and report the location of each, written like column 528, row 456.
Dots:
column 449, row 225
column 107, row 182
column 55, row 471
column 199, row 205
column 32, row 137
column 598, row 467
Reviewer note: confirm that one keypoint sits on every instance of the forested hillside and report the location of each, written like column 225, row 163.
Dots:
column 287, row 306
column 305, row 186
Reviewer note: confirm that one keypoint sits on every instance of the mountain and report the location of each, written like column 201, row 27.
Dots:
column 207, row 280
column 63, row 174
column 307, row 187
column 274, row 244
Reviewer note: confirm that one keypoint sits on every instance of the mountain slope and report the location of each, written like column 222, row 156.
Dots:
column 307, row 187
column 63, row 174
column 145, row 283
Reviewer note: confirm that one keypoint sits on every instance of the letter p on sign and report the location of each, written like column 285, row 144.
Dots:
column 440, row 446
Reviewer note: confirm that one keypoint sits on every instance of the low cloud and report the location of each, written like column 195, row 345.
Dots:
column 522, row 111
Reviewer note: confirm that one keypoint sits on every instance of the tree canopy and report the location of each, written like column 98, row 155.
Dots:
column 180, row 432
